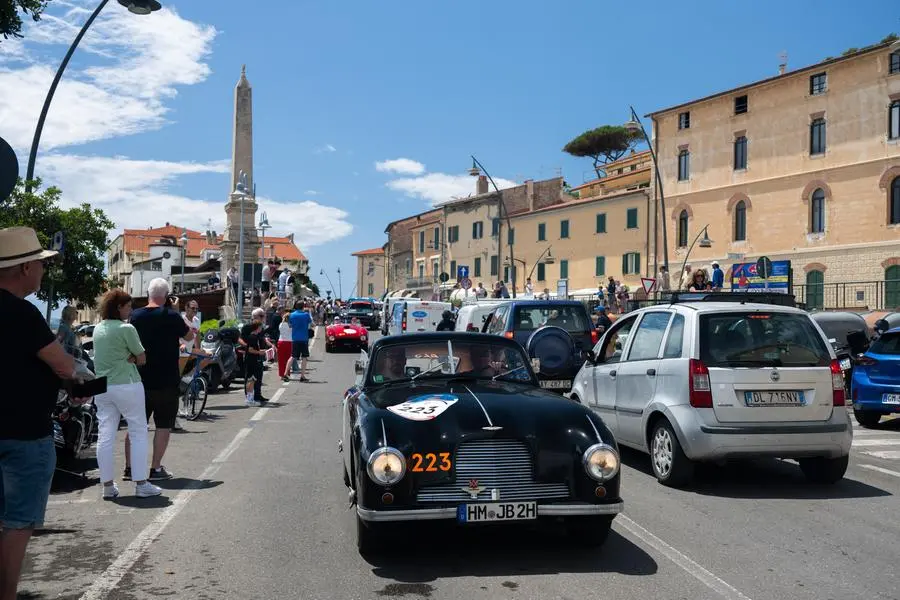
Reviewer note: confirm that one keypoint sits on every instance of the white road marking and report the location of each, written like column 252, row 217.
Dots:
column 881, row 470
column 77, row 501
column 878, row 442
column 705, row 577
column 886, row 454
column 259, row 414
column 110, row 578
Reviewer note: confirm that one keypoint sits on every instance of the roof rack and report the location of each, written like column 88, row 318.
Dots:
column 761, row 297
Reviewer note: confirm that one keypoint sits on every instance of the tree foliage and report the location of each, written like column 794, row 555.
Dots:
column 604, row 145
column 11, row 20
column 79, row 275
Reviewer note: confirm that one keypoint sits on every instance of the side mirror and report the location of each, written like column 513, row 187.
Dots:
column 359, row 366
column 591, row 357
column 536, row 365
column 881, row 325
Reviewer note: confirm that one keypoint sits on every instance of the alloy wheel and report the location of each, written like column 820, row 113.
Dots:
column 662, row 454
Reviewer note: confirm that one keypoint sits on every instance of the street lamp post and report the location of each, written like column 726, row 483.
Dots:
column 548, row 260
column 475, row 171
column 704, row 243
column 184, row 242
column 331, row 285
column 340, row 284
column 263, row 225
column 635, row 125
column 137, row 7
column 241, row 190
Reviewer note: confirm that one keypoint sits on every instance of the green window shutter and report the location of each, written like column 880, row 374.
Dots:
column 540, row 272
column 542, row 232
column 600, row 269
column 632, row 218
column 601, row 223
column 477, row 267
column 563, row 269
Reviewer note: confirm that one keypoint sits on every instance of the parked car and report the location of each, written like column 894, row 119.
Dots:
column 453, row 426
column 875, row 388
column 557, row 333
column 710, row 381
column 346, row 334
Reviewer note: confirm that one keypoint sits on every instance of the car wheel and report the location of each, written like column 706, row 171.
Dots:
column 589, row 531
column 867, row 418
column 824, row 470
column 328, row 348
column 670, row 464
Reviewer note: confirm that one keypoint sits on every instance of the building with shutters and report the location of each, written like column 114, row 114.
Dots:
column 803, row 166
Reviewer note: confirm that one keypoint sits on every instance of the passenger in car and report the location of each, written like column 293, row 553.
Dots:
column 392, row 363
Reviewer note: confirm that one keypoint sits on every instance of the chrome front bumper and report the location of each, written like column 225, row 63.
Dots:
column 432, row 514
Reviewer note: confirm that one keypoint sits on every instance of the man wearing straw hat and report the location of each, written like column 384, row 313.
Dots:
column 35, row 363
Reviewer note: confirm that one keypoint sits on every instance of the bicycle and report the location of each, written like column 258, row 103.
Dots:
column 195, row 390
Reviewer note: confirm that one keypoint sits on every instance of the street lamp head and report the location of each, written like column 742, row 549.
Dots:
column 632, row 125
column 549, row 259
column 184, row 236
column 141, row 7
column 264, row 221
column 474, row 171
column 705, row 242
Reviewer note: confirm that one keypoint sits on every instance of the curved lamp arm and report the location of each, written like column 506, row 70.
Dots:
column 688, row 255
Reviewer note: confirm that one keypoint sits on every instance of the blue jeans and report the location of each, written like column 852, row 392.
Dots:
column 26, row 472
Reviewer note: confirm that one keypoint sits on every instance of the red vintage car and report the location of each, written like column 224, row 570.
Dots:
column 346, row 335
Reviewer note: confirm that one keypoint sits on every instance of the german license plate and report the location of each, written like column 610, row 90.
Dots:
column 890, row 399
column 556, row 383
column 774, row 398
column 496, row 511
column 845, row 364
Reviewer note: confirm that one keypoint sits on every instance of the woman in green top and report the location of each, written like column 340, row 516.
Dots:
column 117, row 353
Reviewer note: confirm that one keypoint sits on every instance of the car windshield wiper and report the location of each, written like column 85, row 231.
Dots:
column 504, row 374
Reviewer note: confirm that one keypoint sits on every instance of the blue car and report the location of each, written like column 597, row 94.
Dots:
column 875, row 387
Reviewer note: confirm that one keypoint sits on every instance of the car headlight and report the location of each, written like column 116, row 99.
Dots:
column 601, row 462
column 386, row 466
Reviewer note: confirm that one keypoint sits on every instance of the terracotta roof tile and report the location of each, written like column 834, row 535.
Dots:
column 371, row 252
column 140, row 240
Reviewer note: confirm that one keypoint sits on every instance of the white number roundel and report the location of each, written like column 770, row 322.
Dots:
column 424, row 408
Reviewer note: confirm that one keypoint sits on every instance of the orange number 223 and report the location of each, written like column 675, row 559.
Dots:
column 430, row 462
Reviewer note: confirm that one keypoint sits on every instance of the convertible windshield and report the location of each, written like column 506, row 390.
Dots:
column 456, row 358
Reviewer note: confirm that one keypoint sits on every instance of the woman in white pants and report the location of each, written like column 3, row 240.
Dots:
column 117, row 352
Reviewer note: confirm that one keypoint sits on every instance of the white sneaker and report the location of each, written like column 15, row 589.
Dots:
column 110, row 491
column 146, row 490
column 253, row 404
column 178, row 426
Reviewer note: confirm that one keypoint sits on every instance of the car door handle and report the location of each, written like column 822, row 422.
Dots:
column 651, row 372
column 612, row 373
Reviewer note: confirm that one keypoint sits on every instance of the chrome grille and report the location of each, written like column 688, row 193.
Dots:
column 502, row 464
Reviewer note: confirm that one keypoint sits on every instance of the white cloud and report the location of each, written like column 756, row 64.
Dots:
column 440, row 187
column 326, row 148
column 136, row 194
column 402, row 166
column 139, row 63
column 312, row 192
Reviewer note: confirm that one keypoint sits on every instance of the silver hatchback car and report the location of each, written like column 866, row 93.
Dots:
column 711, row 381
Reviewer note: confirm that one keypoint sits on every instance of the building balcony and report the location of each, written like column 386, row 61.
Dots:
column 427, row 281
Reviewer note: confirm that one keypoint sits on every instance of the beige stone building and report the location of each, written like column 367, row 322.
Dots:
column 401, row 272
column 803, row 166
column 370, row 273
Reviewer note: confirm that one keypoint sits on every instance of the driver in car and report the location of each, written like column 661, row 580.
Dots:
column 392, row 363
column 483, row 361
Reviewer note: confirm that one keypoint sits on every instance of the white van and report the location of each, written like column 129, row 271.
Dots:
column 416, row 316
column 387, row 311
column 471, row 317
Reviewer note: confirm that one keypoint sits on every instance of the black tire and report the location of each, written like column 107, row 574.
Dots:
column 368, row 540
column 225, row 384
column 590, row 532
column 328, row 348
column 867, row 418
column 670, row 464
column 193, row 401
column 214, row 374
column 824, row 470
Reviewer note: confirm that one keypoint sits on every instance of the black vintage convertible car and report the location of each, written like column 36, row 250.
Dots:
column 454, row 426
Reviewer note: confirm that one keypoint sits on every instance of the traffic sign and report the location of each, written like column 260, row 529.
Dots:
column 9, row 170
column 59, row 242
column 764, row 267
column 466, row 283
column 649, row 284
column 462, row 272
column 444, row 277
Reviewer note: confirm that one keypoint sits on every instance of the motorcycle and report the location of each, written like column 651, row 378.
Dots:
column 74, row 425
column 848, row 334
column 224, row 364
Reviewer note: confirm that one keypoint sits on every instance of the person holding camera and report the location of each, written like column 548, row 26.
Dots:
column 161, row 329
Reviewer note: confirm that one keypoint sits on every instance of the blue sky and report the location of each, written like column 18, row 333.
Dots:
column 142, row 124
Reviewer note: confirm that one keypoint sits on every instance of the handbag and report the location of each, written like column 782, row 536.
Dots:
column 311, row 332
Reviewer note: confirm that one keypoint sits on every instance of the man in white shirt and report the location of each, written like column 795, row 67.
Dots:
column 283, row 285
column 268, row 269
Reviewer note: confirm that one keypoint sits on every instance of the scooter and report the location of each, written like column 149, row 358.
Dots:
column 223, row 366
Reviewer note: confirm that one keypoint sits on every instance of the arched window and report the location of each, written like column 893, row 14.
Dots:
column 740, row 221
column 815, row 289
column 894, row 211
column 683, row 229
column 817, row 211
column 892, row 287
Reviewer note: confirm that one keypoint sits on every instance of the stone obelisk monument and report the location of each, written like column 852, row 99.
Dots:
column 241, row 160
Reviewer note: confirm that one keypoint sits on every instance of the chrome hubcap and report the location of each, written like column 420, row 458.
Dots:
column 662, row 452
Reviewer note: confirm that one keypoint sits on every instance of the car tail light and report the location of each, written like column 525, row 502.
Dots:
column 700, row 388
column 865, row 361
column 837, row 384
column 471, row 327
column 508, row 335
column 595, row 337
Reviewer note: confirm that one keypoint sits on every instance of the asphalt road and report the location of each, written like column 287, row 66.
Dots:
column 258, row 510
